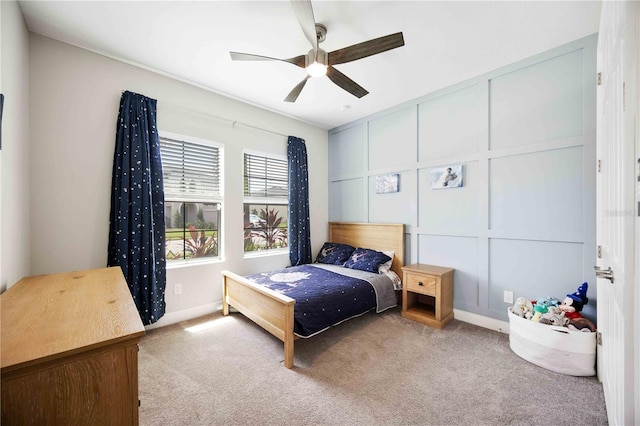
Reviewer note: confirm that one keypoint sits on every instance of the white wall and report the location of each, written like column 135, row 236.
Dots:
column 524, row 220
column 14, row 166
column 75, row 96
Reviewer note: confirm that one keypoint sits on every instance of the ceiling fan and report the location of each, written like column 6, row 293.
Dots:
column 317, row 62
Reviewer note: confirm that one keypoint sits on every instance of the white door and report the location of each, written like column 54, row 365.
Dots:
column 615, row 216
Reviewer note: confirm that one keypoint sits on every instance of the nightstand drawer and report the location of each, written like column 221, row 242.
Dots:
column 423, row 284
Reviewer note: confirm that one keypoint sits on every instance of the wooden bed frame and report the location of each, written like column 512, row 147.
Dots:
column 274, row 311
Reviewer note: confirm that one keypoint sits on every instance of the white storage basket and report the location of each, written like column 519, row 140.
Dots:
column 554, row 348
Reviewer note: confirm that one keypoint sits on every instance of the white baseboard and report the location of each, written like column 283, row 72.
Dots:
column 482, row 321
column 185, row 314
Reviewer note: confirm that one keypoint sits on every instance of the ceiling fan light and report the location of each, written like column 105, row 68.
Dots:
column 317, row 69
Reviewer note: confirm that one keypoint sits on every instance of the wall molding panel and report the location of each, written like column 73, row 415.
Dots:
column 524, row 219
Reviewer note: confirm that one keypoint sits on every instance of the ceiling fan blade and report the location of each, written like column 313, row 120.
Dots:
column 293, row 95
column 346, row 83
column 304, row 13
column 364, row 49
column 298, row 60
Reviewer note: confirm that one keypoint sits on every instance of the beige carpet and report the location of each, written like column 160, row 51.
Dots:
column 378, row 369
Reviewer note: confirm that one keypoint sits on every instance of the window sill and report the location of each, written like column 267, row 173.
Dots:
column 266, row 253
column 177, row 264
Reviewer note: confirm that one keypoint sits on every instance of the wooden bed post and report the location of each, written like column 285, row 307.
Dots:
column 288, row 337
column 225, row 304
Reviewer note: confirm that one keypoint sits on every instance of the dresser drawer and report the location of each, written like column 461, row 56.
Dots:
column 419, row 283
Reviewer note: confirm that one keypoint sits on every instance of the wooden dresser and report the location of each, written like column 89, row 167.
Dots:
column 69, row 350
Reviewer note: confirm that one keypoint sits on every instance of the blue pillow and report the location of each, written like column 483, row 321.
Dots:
column 366, row 260
column 334, row 253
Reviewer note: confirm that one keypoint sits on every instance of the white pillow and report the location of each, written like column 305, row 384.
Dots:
column 386, row 266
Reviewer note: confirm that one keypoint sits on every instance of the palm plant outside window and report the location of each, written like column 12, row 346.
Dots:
column 193, row 197
column 266, row 203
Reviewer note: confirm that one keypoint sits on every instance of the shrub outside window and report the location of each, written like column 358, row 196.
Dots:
column 192, row 230
column 266, row 203
column 193, row 197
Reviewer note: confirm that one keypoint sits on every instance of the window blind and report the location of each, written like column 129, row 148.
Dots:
column 190, row 170
column 265, row 177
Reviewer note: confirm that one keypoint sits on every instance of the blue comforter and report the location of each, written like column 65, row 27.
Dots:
column 327, row 295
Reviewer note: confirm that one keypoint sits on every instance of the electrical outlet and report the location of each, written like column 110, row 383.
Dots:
column 508, row 296
column 177, row 288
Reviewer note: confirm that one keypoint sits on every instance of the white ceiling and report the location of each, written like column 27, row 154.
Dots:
column 445, row 42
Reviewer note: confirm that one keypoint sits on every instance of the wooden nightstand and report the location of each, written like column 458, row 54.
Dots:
column 427, row 294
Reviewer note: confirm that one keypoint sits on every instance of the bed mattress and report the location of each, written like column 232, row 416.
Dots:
column 327, row 295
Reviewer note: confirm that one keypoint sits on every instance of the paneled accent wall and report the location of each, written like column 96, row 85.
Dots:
column 524, row 219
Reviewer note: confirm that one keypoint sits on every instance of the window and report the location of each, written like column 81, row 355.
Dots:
column 193, row 196
column 266, row 203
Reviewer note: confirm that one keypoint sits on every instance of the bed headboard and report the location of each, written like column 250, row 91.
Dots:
column 377, row 236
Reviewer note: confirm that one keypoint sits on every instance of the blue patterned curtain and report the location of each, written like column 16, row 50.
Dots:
column 136, row 228
column 299, row 233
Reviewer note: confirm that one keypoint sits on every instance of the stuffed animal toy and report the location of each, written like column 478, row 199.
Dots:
column 548, row 302
column 538, row 310
column 581, row 324
column 575, row 301
column 522, row 308
column 551, row 318
column 553, row 309
column 573, row 315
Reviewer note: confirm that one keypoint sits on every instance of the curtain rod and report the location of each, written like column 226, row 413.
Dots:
column 233, row 123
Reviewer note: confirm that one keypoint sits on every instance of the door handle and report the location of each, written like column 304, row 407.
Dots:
column 604, row 273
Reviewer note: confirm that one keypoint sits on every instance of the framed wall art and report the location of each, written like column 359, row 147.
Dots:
column 447, row 177
column 387, row 183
